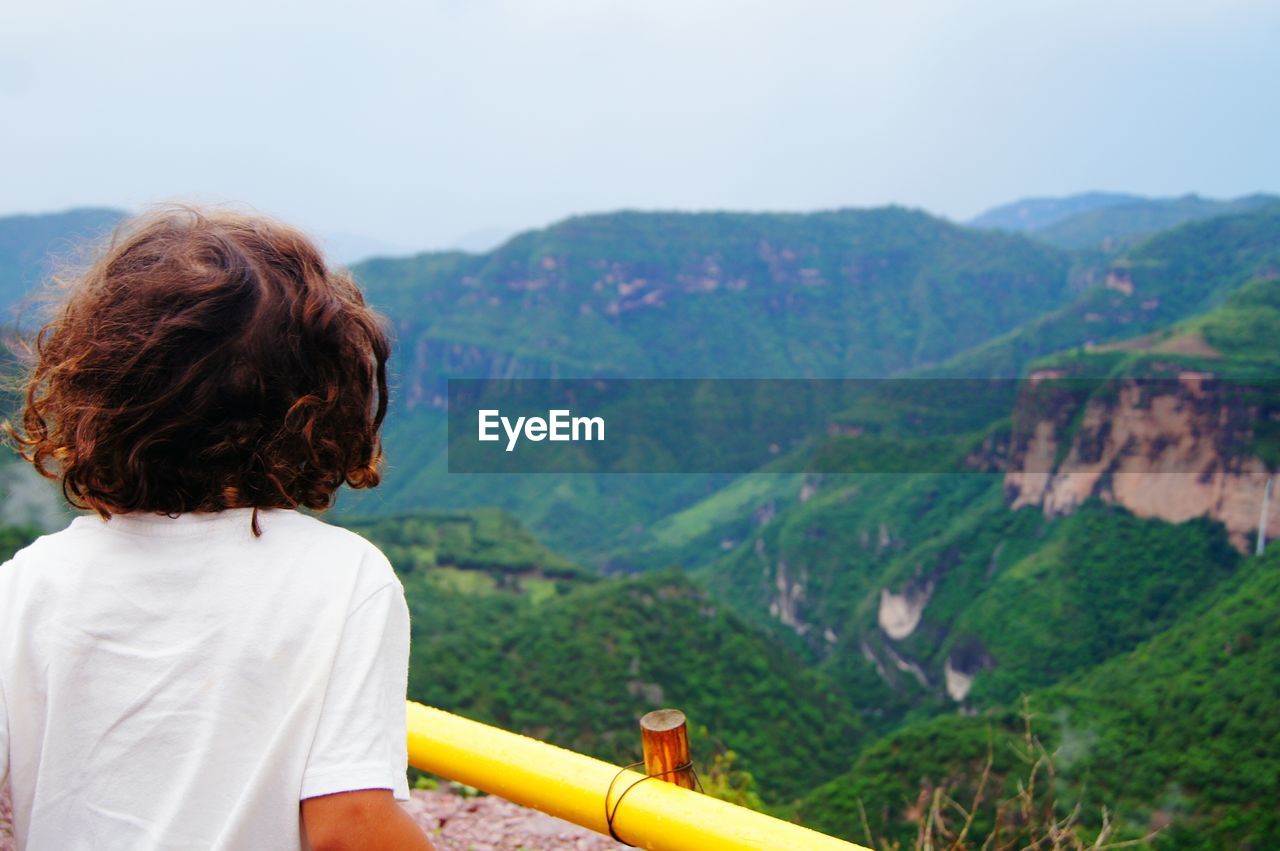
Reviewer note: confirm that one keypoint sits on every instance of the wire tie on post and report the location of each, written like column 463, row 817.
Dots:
column 611, row 814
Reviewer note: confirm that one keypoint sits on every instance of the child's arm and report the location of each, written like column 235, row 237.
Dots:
column 358, row 756
column 355, row 821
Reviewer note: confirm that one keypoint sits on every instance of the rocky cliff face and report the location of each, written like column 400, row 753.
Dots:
column 1173, row 449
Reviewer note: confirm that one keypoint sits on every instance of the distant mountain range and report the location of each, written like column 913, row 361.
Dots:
column 1106, row 221
column 31, row 246
column 1032, row 214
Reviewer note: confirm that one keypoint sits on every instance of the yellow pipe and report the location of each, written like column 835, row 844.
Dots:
column 655, row 815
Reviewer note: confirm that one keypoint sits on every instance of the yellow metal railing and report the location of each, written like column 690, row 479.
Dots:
column 654, row 815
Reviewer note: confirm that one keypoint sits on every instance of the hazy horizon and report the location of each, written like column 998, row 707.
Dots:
column 352, row 246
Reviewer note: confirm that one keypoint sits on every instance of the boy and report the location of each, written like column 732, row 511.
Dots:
column 195, row 664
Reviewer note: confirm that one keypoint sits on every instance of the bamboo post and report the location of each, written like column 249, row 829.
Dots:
column 665, row 739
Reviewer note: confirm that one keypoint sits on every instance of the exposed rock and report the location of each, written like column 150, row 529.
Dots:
column 899, row 614
column 1167, row 450
column 958, row 683
column 785, row 606
column 1120, row 281
column 1029, row 483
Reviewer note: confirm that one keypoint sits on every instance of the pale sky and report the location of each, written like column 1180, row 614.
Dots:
column 417, row 124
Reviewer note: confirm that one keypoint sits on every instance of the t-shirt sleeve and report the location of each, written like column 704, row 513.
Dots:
column 361, row 742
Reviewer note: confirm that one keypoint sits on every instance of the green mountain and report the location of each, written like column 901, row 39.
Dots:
column 1174, row 275
column 1238, row 338
column 851, row 292
column 916, row 593
column 843, row 560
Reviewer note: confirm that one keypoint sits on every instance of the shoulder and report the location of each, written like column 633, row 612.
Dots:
column 330, row 544
column 52, row 545
column 36, row 563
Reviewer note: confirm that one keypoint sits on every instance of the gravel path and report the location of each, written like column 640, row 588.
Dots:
column 488, row 823
column 455, row 823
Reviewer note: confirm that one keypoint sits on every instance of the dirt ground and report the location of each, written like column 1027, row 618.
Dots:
column 455, row 823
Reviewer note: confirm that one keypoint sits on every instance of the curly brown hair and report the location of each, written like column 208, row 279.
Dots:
column 206, row 360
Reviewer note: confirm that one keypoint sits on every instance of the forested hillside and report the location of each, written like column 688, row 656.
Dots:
column 507, row 633
column 1178, row 733
column 715, row 295
column 706, row 295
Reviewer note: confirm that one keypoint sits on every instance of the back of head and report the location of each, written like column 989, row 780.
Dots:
column 207, row 360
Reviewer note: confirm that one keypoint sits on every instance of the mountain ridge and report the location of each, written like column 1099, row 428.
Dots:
column 1108, row 222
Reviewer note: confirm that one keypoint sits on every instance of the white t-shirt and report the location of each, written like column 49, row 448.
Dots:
column 177, row 683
